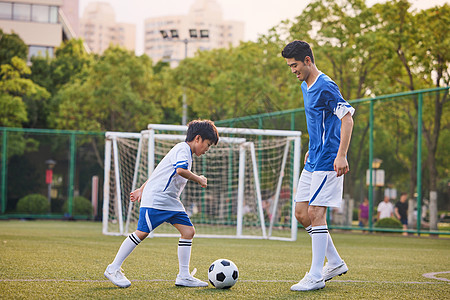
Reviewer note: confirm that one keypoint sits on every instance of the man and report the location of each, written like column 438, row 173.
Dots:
column 385, row 209
column 401, row 211
column 330, row 123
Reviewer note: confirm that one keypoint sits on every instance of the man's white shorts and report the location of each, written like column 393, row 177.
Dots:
column 320, row 188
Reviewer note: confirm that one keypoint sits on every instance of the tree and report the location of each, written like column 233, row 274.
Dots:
column 13, row 88
column 11, row 45
column 116, row 95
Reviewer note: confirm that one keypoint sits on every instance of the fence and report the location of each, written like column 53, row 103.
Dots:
column 388, row 129
column 57, row 164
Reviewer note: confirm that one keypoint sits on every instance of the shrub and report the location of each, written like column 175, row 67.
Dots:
column 81, row 206
column 388, row 223
column 33, row 204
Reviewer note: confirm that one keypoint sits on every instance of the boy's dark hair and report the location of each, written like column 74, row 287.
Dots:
column 298, row 50
column 204, row 128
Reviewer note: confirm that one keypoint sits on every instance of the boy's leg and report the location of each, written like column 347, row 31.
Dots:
column 113, row 272
column 184, row 278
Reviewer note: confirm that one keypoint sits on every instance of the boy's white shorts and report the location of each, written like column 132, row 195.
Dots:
column 320, row 188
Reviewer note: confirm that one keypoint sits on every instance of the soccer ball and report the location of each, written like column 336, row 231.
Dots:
column 223, row 274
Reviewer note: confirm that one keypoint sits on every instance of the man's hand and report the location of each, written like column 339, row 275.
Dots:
column 136, row 195
column 341, row 166
column 306, row 157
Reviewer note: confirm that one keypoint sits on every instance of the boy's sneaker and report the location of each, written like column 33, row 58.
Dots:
column 329, row 272
column 117, row 277
column 190, row 280
column 308, row 284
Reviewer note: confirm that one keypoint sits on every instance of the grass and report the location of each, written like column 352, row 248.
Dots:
column 56, row 259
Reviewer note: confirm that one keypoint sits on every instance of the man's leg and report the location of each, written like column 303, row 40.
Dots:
column 319, row 237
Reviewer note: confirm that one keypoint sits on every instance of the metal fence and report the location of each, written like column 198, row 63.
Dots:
column 388, row 129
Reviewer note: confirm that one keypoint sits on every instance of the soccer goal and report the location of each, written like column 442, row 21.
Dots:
column 252, row 177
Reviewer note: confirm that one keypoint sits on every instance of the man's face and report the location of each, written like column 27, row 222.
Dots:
column 299, row 68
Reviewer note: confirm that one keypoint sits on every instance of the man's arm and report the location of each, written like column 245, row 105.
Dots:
column 192, row 176
column 340, row 163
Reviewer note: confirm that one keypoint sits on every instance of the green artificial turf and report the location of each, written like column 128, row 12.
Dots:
column 57, row 259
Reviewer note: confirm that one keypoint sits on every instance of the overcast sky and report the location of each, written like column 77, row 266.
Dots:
column 258, row 15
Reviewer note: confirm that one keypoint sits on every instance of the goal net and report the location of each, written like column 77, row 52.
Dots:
column 252, row 177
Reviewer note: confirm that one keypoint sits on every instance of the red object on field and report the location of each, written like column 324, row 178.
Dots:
column 48, row 176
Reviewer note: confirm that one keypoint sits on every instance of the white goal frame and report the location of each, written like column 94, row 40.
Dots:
column 111, row 150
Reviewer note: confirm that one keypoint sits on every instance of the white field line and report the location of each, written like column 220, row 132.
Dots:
column 252, row 281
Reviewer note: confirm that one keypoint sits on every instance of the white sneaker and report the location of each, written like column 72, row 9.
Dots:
column 190, row 280
column 330, row 272
column 308, row 284
column 117, row 277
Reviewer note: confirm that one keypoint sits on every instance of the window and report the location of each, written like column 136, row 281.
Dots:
column 39, row 51
column 5, row 11
column 53, row 14
column 22, row 12
column 40, row 13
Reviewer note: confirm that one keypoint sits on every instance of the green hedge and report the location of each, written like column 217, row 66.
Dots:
column 33, row 204
column 81, row 206
column 388, row 223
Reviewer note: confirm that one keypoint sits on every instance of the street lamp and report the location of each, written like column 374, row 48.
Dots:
column 174, row 36
column 49, row 178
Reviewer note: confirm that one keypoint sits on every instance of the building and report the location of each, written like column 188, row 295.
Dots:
column 41, row 24
column 99, row 28
column 172, row 38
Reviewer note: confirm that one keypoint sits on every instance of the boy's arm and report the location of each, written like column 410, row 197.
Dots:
column 340, row 163
column 137, row 194
column 192, row 176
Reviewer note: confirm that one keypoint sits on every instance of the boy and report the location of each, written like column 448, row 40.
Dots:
column 330, row 123
column 160, row 202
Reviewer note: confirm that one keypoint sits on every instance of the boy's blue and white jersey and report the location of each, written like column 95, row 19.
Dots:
column 164, row 187
column 324, row 109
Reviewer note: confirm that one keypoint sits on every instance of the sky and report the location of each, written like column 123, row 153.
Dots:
column 258, row 15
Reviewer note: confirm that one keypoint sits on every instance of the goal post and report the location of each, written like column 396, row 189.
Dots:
column 252, row 179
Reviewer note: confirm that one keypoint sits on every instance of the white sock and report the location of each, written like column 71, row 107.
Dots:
column 127, row 247
column 308, row 230
column 319, row 238
column 184, row 256
column 332, row 255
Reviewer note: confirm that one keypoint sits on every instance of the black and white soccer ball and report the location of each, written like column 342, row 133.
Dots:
column 223, row 274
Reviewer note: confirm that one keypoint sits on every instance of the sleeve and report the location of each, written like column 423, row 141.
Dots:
column 335, row 101
column 181, row 159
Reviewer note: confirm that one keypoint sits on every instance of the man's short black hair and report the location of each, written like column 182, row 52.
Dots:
column 205, row 128
column 298, row 50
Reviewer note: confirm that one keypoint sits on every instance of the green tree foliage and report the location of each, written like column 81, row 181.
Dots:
column 233, row 82
column 11, row 45
column 14, row 86
column 116, row 95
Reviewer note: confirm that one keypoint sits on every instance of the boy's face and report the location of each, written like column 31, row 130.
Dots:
column 201, row 145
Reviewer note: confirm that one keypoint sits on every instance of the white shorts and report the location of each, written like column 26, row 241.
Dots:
column 320, row 188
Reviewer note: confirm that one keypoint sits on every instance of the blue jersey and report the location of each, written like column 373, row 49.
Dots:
column 324, row 109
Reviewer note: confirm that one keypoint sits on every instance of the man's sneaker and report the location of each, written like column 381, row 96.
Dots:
column 329, row 272
column 190, row 280
column 117, row 277
column 308, row 284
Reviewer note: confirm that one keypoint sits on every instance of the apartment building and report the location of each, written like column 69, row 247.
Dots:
column 99, row 28
column 172, row 38
column 41, row 24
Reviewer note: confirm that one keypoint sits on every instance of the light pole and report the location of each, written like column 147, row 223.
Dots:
column 49, row 178
column 193, row 33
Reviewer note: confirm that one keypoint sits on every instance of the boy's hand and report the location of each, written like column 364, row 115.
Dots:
column 136, row 195
column 203, row 181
